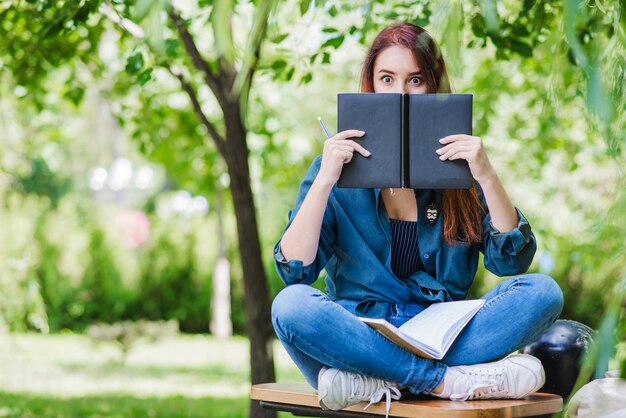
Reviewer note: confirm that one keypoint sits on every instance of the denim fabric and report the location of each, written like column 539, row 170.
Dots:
column 317, row 331
column 355, row 250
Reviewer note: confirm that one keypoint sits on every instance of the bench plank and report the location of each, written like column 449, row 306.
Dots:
column 302, row 394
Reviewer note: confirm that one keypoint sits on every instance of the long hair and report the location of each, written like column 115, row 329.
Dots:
column 462, row 210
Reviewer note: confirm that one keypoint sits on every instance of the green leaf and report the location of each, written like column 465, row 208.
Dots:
column 490, row 12
column 134, row 64
column 330, row 30
column 326, row 58
column 75, row 95
column 145, row 76
column 521, row 48
column 392, row 15
column 213, row 66
column 598, row 100
column 304, row 6
column 289, row 74
column 306, row 78
column 520, row 30
column 279, row 65
column 312, row 59
column 171, row 46
column 334, row 42
column 142, row 9
column 279, row 38
column 332, row 11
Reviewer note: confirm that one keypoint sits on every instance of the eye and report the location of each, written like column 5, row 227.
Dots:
column 415, row 80
column 386, row 79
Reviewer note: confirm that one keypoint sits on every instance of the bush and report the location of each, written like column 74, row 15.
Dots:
column 170, row 285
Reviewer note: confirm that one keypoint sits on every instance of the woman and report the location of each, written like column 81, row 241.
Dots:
column 383, row 259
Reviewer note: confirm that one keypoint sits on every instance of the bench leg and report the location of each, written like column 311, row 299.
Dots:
column 308, row 411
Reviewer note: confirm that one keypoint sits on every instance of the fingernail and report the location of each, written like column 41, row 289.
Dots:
column 362, row 132
column 441, row 157
column 441, row 141
column 439, row 151
column 368, row 153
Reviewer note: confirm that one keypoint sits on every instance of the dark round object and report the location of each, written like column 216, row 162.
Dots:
column 561, row 349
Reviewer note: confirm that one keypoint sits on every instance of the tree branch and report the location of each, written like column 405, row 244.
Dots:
column 241, row 85
column 127, row 25
column 188, row 88
column 136, row 31
column 215, row 83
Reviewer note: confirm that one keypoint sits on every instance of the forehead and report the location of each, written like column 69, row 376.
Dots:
column 399, row 59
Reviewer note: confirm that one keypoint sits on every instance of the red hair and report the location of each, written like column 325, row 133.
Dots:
column 462, row 210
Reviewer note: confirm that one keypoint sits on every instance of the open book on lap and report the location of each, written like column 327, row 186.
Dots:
column 430, row 333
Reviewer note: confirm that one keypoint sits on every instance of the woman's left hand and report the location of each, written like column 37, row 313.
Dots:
column 469, row 148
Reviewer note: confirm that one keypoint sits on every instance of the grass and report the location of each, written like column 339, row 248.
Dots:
column 69, row 376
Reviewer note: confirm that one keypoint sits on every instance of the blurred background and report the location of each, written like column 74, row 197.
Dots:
column 150, row 152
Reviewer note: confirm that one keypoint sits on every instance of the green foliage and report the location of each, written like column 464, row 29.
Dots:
column 21, row 304
column 43, row 182
column 101, row 296
column 170, row 287
column 119, row 406
column 70, row 270
column 39, row 35
column 56, row 292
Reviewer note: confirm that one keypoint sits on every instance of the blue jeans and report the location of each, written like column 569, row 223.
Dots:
column 317, row 332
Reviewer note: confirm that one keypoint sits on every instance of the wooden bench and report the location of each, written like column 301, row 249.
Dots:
column 301, row 400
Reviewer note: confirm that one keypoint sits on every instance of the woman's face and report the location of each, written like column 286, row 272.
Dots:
column 396, row 71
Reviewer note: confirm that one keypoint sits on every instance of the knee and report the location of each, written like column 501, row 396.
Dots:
column 546, row 293
column 288, row 304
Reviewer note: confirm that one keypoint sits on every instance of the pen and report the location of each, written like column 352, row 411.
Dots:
column 323, row 127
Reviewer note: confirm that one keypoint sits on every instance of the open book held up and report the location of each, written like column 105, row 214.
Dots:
column 402, row 131
column 430, row 333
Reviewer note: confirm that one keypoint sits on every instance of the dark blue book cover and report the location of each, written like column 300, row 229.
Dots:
column 402, row 132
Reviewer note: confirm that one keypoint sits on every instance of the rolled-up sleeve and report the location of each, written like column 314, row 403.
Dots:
column 293, row 271
column 508, row 253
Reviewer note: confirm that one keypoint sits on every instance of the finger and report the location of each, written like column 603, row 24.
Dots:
column 454, row 138
column 448, row 155
column 359, row 148
column 461, row 156
column 350, row 133
column 455, row 147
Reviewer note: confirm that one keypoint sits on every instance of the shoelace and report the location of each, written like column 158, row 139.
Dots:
column 487, row 385
column 387, row 392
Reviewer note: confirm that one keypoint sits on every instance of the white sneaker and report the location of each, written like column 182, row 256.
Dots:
column 514, row 377
column 337, row 389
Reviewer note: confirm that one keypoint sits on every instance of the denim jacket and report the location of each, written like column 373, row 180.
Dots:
column 355, row 250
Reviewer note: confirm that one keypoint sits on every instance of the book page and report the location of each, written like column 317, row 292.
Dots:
column 432, row 325
column 396, row 336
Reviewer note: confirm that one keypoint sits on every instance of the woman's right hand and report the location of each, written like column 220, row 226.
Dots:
column 339, row 151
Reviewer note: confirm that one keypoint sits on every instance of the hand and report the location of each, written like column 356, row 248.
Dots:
column 469, row 148
column 338, row 151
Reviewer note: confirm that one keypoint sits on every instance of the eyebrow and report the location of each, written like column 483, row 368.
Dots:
column 392, row 73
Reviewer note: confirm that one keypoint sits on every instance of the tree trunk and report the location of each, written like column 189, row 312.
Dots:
column 258, row 322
